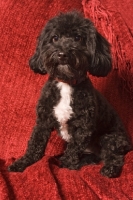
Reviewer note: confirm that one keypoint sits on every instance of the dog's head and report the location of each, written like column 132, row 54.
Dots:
column 69, row 46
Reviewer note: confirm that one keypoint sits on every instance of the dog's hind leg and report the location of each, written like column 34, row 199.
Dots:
column 89, row 159
column 114, row 146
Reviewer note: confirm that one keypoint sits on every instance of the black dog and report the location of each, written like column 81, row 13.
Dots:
column 68, row 48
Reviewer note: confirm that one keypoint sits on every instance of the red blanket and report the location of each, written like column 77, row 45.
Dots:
column 20, row 24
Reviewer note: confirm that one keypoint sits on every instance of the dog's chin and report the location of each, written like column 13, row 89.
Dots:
column 67, row 74
column 64, row 70
column 67, row 69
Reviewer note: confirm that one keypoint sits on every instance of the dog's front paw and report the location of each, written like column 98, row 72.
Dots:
column 111, row 171
column 18, row 166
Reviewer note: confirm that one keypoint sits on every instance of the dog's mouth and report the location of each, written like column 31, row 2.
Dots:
column 71, row 66
column 63, row 62
column 65, row 70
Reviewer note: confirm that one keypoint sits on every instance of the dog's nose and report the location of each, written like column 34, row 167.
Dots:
column 61, row 55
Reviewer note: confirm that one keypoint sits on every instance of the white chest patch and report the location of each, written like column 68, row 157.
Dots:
column 63, row 110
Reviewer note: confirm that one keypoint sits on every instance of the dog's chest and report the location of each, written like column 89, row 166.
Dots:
column 63, row 110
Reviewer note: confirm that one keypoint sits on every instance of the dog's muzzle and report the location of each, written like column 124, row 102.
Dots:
column 62, row 58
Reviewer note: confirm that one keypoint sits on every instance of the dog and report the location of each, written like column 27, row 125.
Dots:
column 68, row 48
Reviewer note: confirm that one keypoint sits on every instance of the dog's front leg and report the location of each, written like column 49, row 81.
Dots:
column 74, row 151
column 35, row 149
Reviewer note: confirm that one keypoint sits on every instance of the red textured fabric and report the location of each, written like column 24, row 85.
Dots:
column 20, row 24
column 110, row 20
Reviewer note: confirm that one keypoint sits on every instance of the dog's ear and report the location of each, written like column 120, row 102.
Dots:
column 35, row 62
column 101, row 62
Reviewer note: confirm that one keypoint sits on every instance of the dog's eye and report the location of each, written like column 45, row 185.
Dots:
column 55, row 38
column 78, row 38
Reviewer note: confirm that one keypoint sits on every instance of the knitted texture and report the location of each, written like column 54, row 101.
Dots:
column 110, row 22
column 20, row 24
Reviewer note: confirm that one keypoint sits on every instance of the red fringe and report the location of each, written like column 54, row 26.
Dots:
column 112, row 26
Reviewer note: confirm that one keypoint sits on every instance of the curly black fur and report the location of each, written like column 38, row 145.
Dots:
column 69, row 47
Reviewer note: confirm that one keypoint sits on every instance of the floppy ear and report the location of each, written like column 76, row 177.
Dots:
column 101, row 62
column 35, row 62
